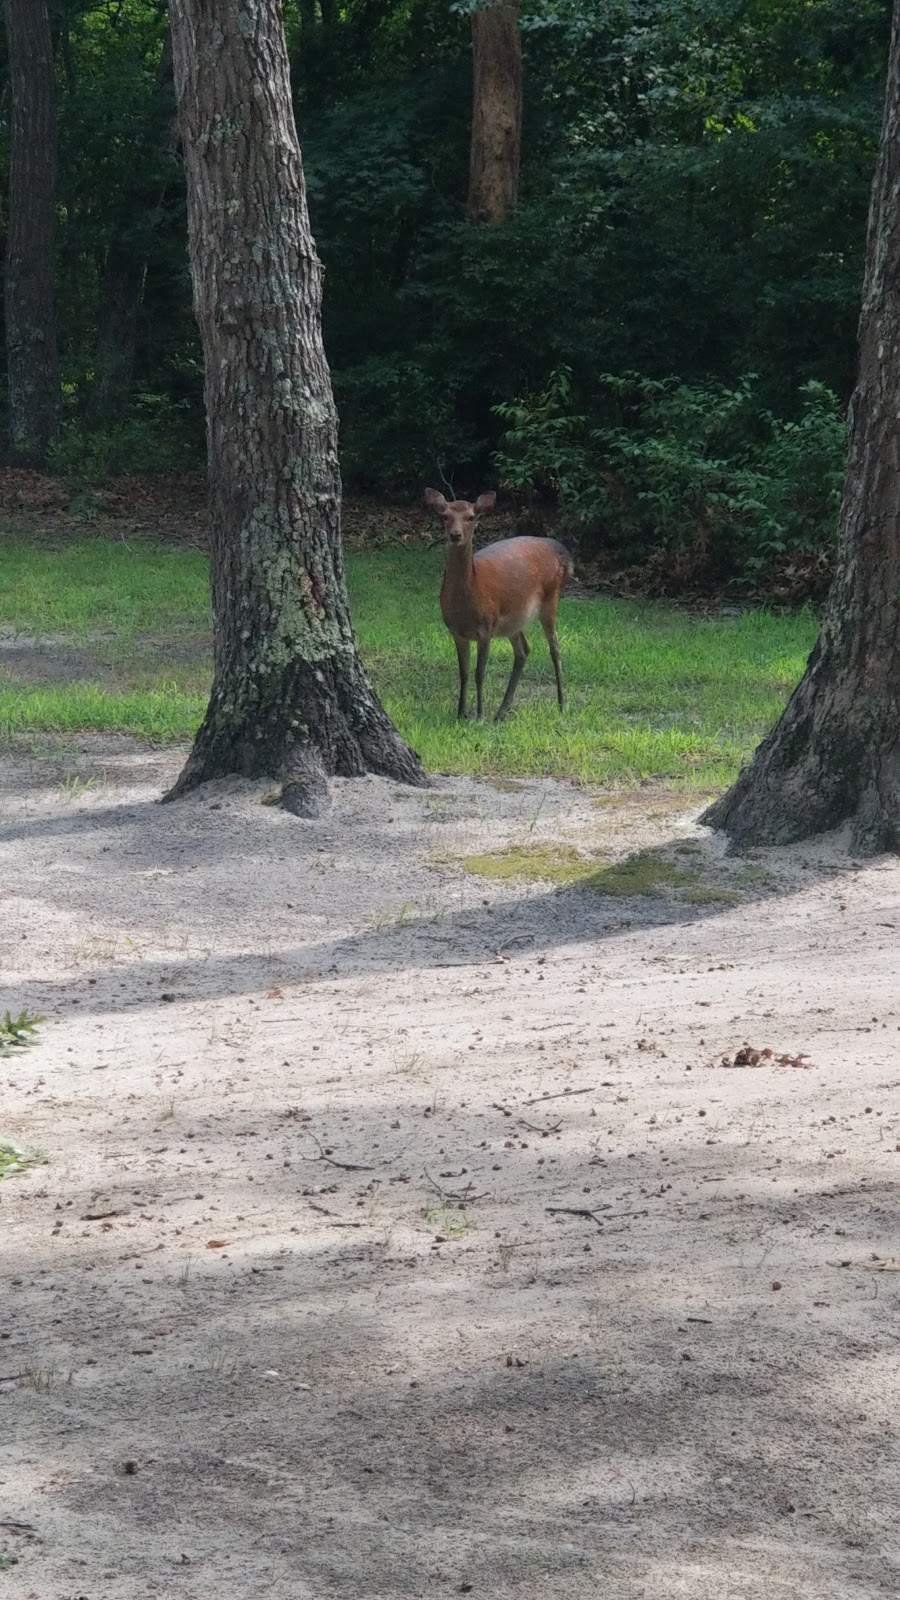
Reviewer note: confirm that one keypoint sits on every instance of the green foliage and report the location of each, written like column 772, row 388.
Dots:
column 545, row 446
column 706, row 469
column 14, row 1160
column 158, row 435
column 694, row 191
column 694, row 185
column 17, row 1032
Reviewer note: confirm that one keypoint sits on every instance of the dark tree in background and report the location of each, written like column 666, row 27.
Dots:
column 834, row 757
column 496, row 111
column 124, row 267
column 289, row 696
column 31, row 354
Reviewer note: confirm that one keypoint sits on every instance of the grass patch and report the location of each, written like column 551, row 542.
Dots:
column 532, row 864
column 653, row 693
column 650, row 873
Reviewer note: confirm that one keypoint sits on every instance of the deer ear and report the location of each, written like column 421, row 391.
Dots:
column 435, row 499
column 485, row 502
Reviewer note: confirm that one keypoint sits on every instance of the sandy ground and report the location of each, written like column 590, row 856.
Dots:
column 289, row 1312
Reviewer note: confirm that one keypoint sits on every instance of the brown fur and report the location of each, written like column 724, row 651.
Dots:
column 497, row 593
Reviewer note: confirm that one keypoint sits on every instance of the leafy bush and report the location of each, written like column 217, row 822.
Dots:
column 160, row 435
column 703, row 473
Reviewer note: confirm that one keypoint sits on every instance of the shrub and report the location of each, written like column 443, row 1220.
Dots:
column 703, row 474
column 160, row 435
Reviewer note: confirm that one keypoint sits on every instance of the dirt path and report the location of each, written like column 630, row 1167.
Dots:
column 290, row 1312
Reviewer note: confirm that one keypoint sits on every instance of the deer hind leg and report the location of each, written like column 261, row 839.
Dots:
column 548, row 623
column 484, row 650
column 462, row 655
column 520, row 656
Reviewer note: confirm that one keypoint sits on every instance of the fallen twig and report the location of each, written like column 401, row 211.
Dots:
column 524, row 1123
column 576, row 1211
column 346, row 1166
column 562, row 1094
column 867, row 1266
column 609, row 1216
column 462, row 1198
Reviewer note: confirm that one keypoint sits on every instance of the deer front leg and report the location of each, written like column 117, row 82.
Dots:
column 484, row 650
column 462, row 654
column 520, row 655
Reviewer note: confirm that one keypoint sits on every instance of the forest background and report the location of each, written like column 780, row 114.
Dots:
column 657, row 342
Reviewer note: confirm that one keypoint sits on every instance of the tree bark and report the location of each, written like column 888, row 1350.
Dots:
column 496, row 111
column 289, row 698
column 31, row 351
column 834, row 757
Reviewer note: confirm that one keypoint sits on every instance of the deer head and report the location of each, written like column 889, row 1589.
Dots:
column 460, row 517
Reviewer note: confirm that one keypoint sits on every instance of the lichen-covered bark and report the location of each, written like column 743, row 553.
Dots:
column 289, row 697
column 31, row 353
column 834, row 757
column 496, row 110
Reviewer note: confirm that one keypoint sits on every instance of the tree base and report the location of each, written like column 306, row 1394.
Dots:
column 312, row 724
column 819, row 770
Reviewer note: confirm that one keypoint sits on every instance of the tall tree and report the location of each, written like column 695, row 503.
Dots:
column 289, row 698
column 31, row 352
column 834, row 757
column 496, row 146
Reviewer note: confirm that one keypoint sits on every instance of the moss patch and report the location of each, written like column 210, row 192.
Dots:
column 652, row 873
column 752, row 874
column 533, row 864
column 649, row 873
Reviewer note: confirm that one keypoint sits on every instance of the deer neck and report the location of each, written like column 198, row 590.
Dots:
column 459, row 597
column 459, row 567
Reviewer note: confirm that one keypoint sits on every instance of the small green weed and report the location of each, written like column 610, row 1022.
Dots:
column 380, row 920
column 450, row 1223
column 73, row 787
column 13, row 1160
column 18, row 1032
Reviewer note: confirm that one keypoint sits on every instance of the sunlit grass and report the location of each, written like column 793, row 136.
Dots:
column 653, row 692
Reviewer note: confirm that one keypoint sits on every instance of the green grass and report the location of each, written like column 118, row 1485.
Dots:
column 653, row 693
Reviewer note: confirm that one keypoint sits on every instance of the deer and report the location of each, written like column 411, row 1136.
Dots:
column 495, row 593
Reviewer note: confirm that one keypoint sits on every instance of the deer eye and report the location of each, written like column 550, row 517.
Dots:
column 470, row 516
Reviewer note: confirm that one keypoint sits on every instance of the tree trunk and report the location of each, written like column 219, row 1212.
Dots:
column 32, row 365
column 121, row 286
column 496, row 111
column 834, row 757
column 289, row 698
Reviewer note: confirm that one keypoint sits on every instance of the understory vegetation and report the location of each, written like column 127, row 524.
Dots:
column 104, row 636
column 658, row 342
